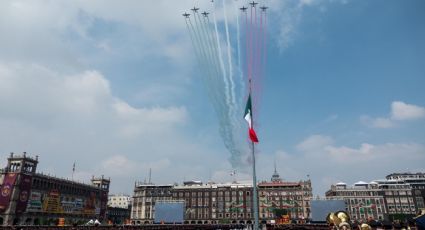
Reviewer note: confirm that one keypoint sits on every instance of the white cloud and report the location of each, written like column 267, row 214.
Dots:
column 55, row 101
column 379, row 122
column 289, row 16
column 383, row 123
column 314, row 142
column 403, row 111
column 400, row 111
column 67, row 118
column 368, row 152
column 119, row 165
column 327, row 163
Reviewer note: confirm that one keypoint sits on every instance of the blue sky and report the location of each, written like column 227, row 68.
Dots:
column 117, row 88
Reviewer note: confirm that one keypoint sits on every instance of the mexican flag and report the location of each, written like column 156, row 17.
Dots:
column 248, row 118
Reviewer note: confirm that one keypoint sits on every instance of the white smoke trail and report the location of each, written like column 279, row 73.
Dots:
column 212, row 49
column 220, row 82
column 226, row 84
column 197, row 45
column 238, row 40
column 222, row 107
column 214, row 83
column 200, row 49
column 202, row 39
column 229, row 60
column 192, row 40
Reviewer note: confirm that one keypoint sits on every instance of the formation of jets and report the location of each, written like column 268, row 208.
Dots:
column 243, row 8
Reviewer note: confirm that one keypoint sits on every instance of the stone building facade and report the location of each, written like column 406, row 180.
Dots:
column 144, row 198
column 362, row 200
column 399, row 196
column 213, row 203
column 117, row 215
column 293, row 197
column 119, row 201
column 31, row 198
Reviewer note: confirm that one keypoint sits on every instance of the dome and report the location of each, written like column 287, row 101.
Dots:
column 360, row 183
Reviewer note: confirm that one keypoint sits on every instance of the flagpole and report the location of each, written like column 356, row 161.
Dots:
column 73, row 170
column 254, row 185
column 254, row 176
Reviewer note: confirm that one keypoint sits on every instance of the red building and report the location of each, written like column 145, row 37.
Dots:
column 31, row 198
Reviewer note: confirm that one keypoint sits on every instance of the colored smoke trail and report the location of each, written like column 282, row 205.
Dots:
column 226, row 65
column 229, row 60
column 238, row 44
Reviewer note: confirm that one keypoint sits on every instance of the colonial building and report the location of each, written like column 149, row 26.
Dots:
column 119, row 209
column 416, row 182
column 119, row 201
column 31, row 198
column 363, row 200
column 116, row 215
column 144, row 198
column 292, row 197
column 215, row 203
column 399, row 196
column 223, row 203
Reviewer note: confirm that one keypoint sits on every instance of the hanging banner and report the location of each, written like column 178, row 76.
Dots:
column 6, row 190
column 51, row 202
column 79, row 205
column 25, row 189
column 35, row 202
column 90, row 204
column 103, row 203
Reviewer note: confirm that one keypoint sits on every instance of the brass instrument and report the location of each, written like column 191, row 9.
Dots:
column 339, row 220
column 365, row 226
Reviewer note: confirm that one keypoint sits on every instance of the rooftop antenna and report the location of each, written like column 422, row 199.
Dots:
column 73, row 171
column 150, row 175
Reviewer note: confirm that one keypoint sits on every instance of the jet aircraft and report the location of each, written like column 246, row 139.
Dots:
column 195, row 9
column 253, row 3
column 186, row 15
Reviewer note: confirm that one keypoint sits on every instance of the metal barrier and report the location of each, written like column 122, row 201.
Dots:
column 131, row 227
column 171, row 227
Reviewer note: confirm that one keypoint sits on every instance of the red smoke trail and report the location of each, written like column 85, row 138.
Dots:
column 265, row 43
column 255, row 56
column 247, row 48
column 250, row 53
column 258, row 77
